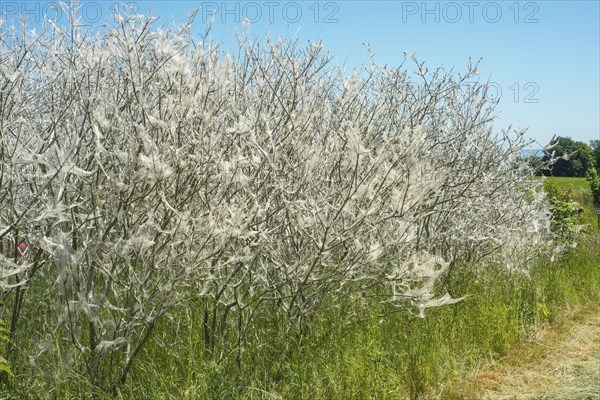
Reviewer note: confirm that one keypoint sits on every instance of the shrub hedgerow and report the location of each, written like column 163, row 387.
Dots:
column 146, row 169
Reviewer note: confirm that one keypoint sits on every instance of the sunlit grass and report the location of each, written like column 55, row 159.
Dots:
column 570, row 183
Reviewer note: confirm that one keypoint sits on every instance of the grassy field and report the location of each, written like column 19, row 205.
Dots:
column 566, row 183
column 361, row 348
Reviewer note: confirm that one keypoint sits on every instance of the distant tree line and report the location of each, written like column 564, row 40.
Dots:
column 575, row 158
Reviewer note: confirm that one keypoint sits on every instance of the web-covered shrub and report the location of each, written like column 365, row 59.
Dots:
column 146, row 167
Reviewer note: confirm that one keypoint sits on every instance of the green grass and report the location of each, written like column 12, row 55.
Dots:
column 356, row 348
column 566, row 183
column 371, row 350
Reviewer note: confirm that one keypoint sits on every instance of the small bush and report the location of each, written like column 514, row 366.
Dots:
column 594, row 180
column 566, row 212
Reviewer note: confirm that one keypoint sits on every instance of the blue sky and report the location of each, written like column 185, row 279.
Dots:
column 543, row 57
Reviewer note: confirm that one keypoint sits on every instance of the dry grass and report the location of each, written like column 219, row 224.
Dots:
column 562, row 363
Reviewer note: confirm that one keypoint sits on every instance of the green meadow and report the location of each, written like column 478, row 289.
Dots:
column 566, row 183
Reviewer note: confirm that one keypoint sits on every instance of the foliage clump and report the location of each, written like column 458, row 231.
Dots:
column 566, row 212
column 594, row 180
column 569, row 158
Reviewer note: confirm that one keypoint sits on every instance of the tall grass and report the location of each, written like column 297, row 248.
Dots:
column 366, row 349
column 357, row 348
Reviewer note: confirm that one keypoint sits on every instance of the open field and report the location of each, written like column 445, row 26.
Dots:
column 566, row 183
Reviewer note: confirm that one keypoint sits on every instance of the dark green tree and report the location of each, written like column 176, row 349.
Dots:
column 595, row 145
column 578, row 159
